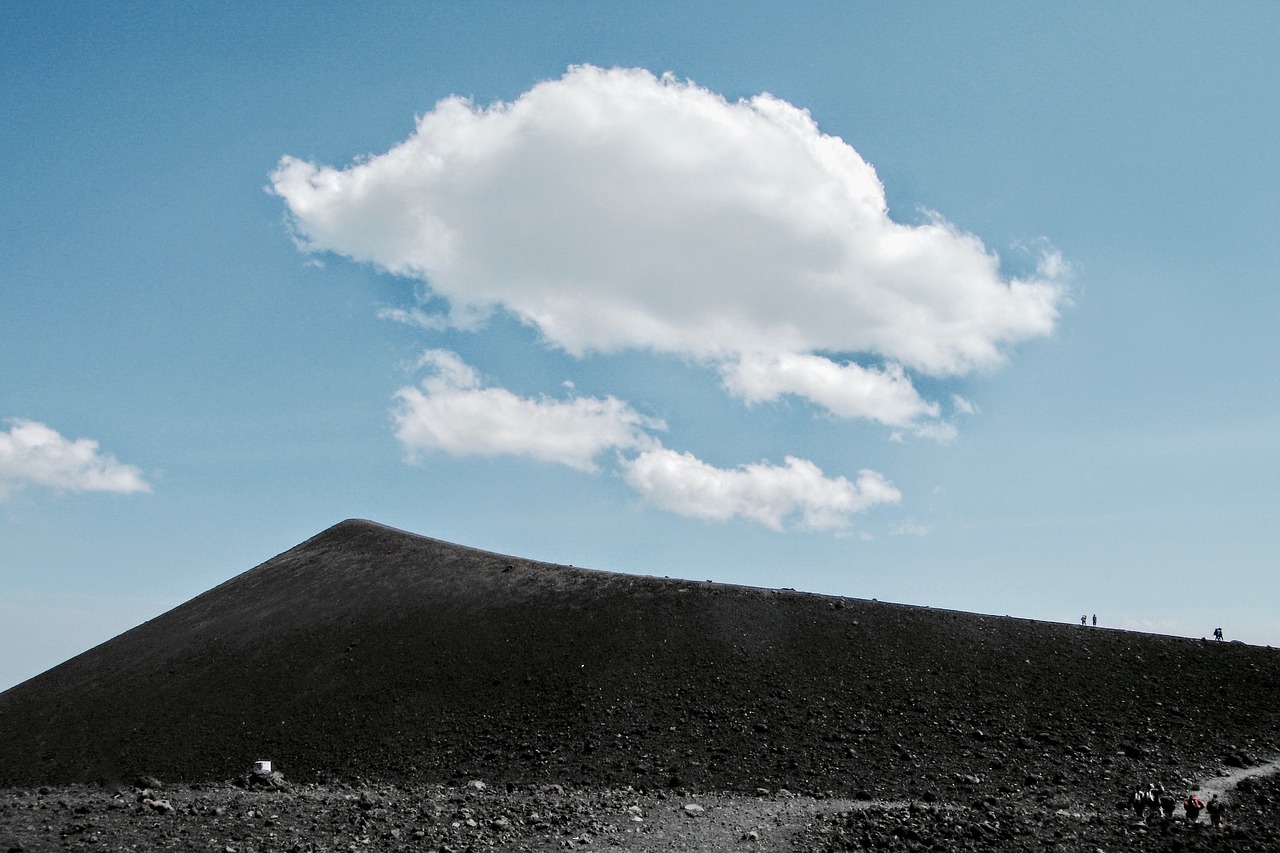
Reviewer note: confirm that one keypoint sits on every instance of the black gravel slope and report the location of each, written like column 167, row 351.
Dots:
column 373, row 652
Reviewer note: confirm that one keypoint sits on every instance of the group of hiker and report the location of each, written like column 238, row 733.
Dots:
column 1155, row 800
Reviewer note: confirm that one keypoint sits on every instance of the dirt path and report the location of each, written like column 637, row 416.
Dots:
column 1224, row 784
column 710, row 823
column 720, row 822
column 770, row 823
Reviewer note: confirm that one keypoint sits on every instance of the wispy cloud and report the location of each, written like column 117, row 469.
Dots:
column 909, row 527
column 32, row 454
column 612, row 209
column 415, row 317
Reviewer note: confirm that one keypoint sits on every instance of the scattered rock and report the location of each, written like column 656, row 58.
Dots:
column 261, row 779
column 158, row 806
column 452, row 818
column 1239, row 759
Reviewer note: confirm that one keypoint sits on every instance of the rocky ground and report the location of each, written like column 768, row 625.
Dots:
column 388, row 675
column 368, row 817
column 993, row 823
column 474, row 816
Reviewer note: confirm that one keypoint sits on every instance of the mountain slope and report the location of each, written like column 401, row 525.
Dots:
column 369, row 651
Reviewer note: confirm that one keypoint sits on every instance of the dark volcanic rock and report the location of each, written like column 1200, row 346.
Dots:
column 372, row 653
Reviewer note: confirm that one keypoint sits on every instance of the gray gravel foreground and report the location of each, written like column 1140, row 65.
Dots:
column 316, row 818
column 473, row 817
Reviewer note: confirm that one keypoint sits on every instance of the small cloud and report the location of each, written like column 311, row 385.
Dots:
column 451, row 411
column 772, row 495
column 847, row 390
column 34, row 454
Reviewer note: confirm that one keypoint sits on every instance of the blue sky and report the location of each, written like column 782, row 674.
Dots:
column 963, row 305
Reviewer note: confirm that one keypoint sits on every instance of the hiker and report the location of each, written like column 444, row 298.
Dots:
column 1140, row 803
column 1215, row 809
column 1154, row 796
column 1095, row 620
column 1167, row 804
column 1144, row 801
column 1217, row 633
column 1192, row 806
column 1084, row 619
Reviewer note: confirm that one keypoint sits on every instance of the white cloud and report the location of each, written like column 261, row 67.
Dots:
column 612, row 209
column 34, row 454
column 450, row 411
column 767, row 494
column 848, row 390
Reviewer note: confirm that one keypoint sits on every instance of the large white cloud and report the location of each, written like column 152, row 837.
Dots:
column 34, row 454
column 768, row 494
column 450, row 411
column 614, row 209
